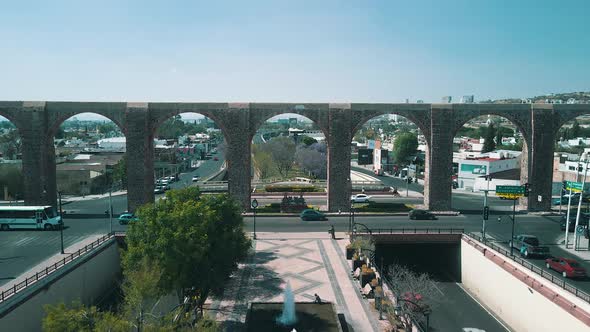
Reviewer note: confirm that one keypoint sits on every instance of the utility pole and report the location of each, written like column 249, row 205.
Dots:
column 580, row 206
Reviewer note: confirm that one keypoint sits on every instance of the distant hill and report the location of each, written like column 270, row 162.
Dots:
column 552, row 98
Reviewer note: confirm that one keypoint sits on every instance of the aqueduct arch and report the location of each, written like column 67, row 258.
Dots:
column 37, row 121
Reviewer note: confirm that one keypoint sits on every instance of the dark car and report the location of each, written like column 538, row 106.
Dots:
column 309, row 214
column 125, row 218
column 584, row 217
column 421, row 215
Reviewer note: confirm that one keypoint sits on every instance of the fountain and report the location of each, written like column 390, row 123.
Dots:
column 288, row 316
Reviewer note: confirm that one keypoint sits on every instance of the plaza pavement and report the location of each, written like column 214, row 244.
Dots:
column 312, row 263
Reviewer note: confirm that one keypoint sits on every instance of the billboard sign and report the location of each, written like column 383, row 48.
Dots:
column 365, row 156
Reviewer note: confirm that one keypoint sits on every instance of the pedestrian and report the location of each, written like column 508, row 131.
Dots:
column 318, row 300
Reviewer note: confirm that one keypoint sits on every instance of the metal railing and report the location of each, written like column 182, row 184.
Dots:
column 41, row 274
column 416, row 231
column 558, row 281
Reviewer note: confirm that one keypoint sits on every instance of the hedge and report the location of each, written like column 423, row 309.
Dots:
column 289, row 188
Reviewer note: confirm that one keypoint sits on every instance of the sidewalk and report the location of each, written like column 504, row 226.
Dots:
column 583, row 253
column 69, row 199
column 312, row 263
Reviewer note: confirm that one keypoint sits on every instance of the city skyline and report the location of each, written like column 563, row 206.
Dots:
column 329, row 52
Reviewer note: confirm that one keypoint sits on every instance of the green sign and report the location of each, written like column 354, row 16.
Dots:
column 511, row 192
column 574, row 186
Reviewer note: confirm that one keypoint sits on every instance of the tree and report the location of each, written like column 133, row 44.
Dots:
column 404, row 146
column 489, row 144
column 575, row 131
column 312, row 161
column 262, row 162
column 498, row 137
column 282, row 151
column 196, row 242
column 308, row 140
column 120, row 172
column 417, row 292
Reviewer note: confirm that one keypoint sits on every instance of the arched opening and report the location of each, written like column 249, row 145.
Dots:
column 488, row 151
column 90, row 166
column 388, row 163
column 11, row 175
column 289, row 161
column 571, row 154
column 189, row 149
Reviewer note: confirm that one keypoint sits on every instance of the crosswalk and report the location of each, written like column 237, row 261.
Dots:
column 41, row 240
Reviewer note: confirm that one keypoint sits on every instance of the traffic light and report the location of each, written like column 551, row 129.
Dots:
column 526, row 190
column 587, row 233
column 486, row 212
column 564, row 183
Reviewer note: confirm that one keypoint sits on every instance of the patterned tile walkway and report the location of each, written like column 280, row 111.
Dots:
column 311, row 263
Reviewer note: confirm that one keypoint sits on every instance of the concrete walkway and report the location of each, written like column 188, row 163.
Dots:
column 312, row 263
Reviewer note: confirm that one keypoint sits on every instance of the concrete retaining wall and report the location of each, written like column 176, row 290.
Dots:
column 524, row 306
column 86, row 281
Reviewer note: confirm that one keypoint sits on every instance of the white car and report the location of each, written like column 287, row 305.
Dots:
column 196, row 178
column 360, row 198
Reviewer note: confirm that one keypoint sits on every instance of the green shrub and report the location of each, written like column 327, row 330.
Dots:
column 289, row 188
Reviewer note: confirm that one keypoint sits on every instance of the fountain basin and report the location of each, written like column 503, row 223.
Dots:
column 311, row 317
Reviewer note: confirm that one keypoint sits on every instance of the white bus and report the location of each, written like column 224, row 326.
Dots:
column 29, row 217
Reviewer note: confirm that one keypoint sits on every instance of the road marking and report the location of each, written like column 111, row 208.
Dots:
column 24, row 241
column 438, row 289
column 484, row 308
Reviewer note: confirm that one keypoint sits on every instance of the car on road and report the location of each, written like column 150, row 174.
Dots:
column 360, row 198
column 215, row 158
column 583, row 222
column 417, row 214
column 528, row 246
column 568, row 268
column 126, row 218
column 196, row 178
column 310, row 214
column 159, row 190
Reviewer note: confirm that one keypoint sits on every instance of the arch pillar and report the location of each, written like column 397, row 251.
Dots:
column 339, row 154
column 140, row 156
column 38, row 156
column 238, row 154
column 439, row 159
column 540, row 158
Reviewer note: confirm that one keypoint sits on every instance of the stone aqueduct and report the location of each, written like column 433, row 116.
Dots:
column 38, row 122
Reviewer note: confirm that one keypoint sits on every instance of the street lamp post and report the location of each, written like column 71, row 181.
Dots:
column 61, row 217
column 254, row 206
column 513, row 221
column 110, row 209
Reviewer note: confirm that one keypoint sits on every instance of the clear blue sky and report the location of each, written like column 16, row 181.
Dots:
column 320, row 51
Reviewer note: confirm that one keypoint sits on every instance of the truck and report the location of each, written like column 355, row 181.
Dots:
column 528, row 246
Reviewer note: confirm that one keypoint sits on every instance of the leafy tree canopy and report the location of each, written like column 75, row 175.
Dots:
column 404, row 146
column 195, row 241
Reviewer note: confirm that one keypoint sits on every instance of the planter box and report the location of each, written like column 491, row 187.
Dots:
column 350, row 253
column 366, row 278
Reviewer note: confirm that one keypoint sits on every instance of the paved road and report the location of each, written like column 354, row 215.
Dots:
column 460, row 201
column 20, row 250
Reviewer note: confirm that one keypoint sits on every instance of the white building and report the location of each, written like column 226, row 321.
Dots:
column 472, row 168
column 468, row 99
column 113, row 144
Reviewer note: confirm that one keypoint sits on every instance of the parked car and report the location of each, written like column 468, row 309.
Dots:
column 126, row 218
column 528, row 245
column 568, row 268
column 360, row 198
column 310, row 214
column 196, row 178
column 421, row 215
column 584, row 217
column 159, row 190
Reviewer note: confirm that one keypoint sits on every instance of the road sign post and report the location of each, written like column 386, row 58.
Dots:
column 572, row 187
column 514, row 193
